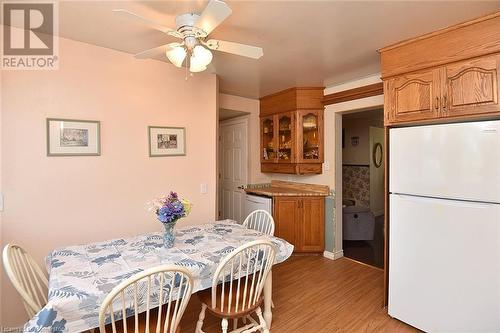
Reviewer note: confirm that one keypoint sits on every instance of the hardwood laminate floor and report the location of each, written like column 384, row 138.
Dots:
column 315, row 294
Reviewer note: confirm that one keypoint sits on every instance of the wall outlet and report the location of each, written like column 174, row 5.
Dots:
column 326, row 165
column 204, row 188
column 1, row 202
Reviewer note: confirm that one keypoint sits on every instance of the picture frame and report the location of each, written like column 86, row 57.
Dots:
column 73, row 137
column 166, row 141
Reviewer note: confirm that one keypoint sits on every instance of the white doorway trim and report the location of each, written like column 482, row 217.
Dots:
column 233, row 121
column 365, row 104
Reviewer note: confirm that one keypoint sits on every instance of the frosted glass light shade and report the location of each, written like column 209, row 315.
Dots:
column 195, row 65
column 176, row 55
column 200, row 58
column 203, row 55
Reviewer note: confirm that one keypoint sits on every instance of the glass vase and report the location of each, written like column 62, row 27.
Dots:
column 168, row 234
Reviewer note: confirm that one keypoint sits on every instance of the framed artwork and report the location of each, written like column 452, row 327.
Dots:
column 167, row 141
column 70, row 137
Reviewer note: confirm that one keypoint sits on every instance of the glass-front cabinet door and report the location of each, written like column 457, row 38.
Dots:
column 310, row 136
column 268, row 140
column 286, row 138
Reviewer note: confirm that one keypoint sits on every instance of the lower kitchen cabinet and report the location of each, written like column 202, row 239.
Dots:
column 301, row 222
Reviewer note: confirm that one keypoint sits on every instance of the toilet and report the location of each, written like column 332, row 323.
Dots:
column 358, row 223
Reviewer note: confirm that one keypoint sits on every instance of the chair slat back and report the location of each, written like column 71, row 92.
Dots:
column 239, row 279
column 164, row 289
column 27, row 277
column 260, row 220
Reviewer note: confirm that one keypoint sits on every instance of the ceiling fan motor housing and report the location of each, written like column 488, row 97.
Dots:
column 185, row 25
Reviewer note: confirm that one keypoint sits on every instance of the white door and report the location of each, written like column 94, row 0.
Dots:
column 377, row 155
column 233, row 174
column 444, row 264
column 456, row 161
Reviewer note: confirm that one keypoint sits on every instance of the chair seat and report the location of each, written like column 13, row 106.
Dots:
column 205, row 297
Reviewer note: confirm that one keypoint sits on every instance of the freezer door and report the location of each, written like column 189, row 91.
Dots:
column 460, row 161
column 444, row 264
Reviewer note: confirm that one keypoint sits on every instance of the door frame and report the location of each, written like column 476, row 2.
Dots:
column 245, row 119
column 339, row 251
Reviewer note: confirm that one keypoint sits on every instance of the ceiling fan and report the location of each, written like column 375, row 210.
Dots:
column 193, row 29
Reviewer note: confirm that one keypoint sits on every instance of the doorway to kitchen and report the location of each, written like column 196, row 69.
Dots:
column 363, row 186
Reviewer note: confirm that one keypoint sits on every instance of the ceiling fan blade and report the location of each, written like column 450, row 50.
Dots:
column 213, row 15
column 151, row 53
column 148, row 22
column 249, row 51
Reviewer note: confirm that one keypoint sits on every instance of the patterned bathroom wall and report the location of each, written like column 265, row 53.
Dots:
column 356, row 184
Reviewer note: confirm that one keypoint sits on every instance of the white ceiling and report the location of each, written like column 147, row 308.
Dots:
column 306, row 43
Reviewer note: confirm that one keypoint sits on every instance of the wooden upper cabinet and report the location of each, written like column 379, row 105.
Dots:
column 414, row 96
column 447, row 75
column 296, row 145
column 471, row 87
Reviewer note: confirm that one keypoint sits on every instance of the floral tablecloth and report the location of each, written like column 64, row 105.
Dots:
column 81, row 276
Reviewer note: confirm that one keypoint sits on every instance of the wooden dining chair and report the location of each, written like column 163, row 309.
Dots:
column 260, row 220
column 27, row 277
column 161, row 294
column 237, row 287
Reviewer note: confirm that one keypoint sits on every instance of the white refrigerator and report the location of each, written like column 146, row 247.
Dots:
column 444, row 235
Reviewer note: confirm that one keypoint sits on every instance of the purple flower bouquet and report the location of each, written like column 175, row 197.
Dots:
column 169, row 209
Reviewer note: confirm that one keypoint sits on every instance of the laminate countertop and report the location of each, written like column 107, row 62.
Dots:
column 288, row 189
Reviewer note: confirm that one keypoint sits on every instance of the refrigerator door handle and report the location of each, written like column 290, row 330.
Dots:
column 449, row 202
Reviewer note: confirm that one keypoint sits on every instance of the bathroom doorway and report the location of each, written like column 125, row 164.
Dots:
column 363, row 186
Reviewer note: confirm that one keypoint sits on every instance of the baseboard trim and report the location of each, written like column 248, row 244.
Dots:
column 333, row 255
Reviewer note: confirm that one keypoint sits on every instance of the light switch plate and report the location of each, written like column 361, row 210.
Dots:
column 203, row 188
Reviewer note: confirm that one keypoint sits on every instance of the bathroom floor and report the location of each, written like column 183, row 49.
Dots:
column 368, row 252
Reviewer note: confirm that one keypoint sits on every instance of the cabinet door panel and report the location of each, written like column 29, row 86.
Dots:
column 310, row 136
column 472, row 87
column 268, row 139
column 286, row 137
column 414, row 96
column 286, row 218
column 312, row 231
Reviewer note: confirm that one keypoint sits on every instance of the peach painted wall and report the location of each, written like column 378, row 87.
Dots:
column 57, row 201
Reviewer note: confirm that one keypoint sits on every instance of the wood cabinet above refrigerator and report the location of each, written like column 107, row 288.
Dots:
column 291, row 131
column 448, row 75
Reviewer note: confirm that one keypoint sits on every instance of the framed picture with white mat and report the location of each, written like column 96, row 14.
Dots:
column 167, row 141
column 70, row 137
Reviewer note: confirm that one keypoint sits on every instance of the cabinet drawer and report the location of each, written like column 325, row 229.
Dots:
column 277, row 168
column 306, row 169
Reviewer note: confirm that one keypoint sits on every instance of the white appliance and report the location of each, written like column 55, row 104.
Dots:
column 254, row 202
column 444, row 247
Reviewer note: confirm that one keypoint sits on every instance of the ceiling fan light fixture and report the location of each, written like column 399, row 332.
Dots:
column 200, row 58
column 202, row 55
column 176, row 55
column 195, row 65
